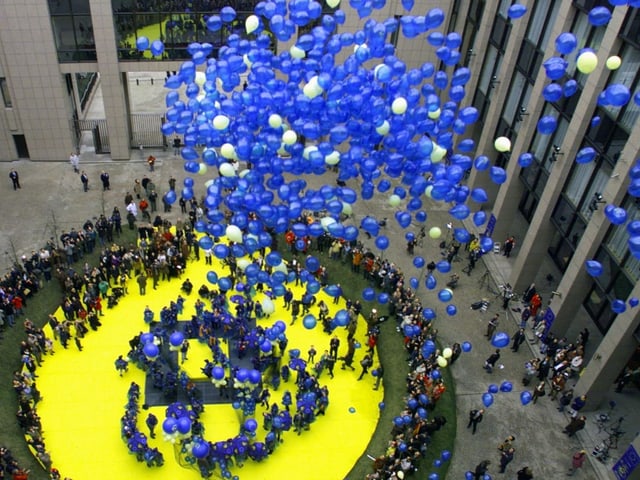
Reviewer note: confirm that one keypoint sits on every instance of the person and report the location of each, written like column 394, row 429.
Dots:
column 379, row 372
column 507, row 444
column 184, row 350
column 74, row 160
column 490, row 362
column 565, row 400
column 153, row 201
column 577, row 460
column 579, row 403
column 529, row 293
column 176, row 145
column 492, row 325
column 481, row 470
column 311, row 355
column 329, row 362
column 142, row 283
column 121, row 365
column 15, row 179
column 524, row 473
column 152, row 423
column 84, row 178
column 506, row 458
column 347, row 360
column 104, row 178
column 575, row 425
column 365, row 363
column 539, row 391
column 334, row 343
column 187, row 286
column 509, row 243
column 518, row 339
column 475, row 417
column 151, row 161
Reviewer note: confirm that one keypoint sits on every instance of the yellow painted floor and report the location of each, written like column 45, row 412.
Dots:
column 84, row 398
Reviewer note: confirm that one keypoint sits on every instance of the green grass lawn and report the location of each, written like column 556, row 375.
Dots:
column 390, row 350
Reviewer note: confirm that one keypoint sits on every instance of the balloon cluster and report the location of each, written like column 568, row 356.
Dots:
column 150, row 346
column 487, row 397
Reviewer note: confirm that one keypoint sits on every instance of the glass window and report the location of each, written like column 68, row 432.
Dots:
column 621, row 287
column 577, row 230
column 537, row 20
column 475, row 10
column 530, row 174
column 602, row 176
column 491, row 64
column 595, row 303
column 631, row 27
column 610, row 268
column 561, row 251
column 513, row 102
column 563, row 215
column 503, row 9
column 551, row 18
column 599, row 134
column 578, row 181
column 4, row 90
column 500, row 33
column 528, row 205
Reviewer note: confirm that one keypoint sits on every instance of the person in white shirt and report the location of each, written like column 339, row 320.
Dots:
column 132, row 208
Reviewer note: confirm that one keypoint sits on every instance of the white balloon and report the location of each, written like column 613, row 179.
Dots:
column 220, row 122
column 326, row 221
column 227, row 151
column 438, row 153
column 297, row 52
column 242, row 263
column 267, row 306
column 234, row 233
column 200, row 78
column 307, row 151
column 227, row 170
column 502, row 144
column 202, row 169
column 399, row 106
column 394, row 200
column 251, row 23
column 333, row 3
column 275, row 120
column 333, row 158
column 289, row 137
column 434, row 115
column 383, row 129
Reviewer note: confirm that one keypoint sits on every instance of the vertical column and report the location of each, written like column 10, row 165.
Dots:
column 614, row 350
column 541, row 230
column 115, row 106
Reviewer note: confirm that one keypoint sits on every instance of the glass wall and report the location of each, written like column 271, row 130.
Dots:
column 175, row 25
column 72, row 30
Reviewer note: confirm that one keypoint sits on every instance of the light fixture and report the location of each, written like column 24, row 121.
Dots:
column 556, row 153
column 494, row 81
column 597, row 199
column 522, row 112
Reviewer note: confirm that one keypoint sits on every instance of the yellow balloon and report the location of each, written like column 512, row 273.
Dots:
column 200, row 78
column 383, row 129
column 220, row 122
column 502, row 144
column 234, row 233
column 614, row 62
column 442, row 362
column 202, row 169
column 447, row 353
column 227, row 170
column 434, row 115
column 289, row 137
column 394, row 200
column 427, row 191
column 437, row 153
column 587, row 62
column 297, row 52
column 227, row 151
column 435, row 232
column 346, row 208
column 252, row 23
column 333, row 158
column 399, row 106
column 275, row 120
column 333, row 3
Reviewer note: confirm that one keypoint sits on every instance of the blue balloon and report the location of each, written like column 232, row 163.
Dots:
column 479, row 218
column 634, row 301
column 547, row 125
column 526, row 397
column 430, row 282
column 618, row 95
column 479, row 195
column 618, row 306
column 418, row 262
column 142, row 43
column 466, row 347
column 566, row 43
column 482, row 163
column 369, row 294
column 500, row 339
column 599, row 16
column 487, row 399
column 552, row 92
column 525, row 159
column 586, row 155
column 506, row 386
column 594, row 268
column 451, row 310
column 212, row 277
column 616, row 215
column 445, row 295
column 493, row 388
column 498, row 175
column 382, row 242
column 516, row 11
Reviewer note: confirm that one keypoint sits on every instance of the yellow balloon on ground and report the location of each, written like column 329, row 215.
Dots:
column 227, row 170
column 220, row 122
column 394, row 200
column 202, row 169
column 587, row 62
column 252, row 23
column 297, row 52
column 502, row 144
column 435, row 232
column 614, row 62
column 442, row 362
column 234, row 233
column 399, row 106
column 275, row 120
column 383, row 129
column 289, row 137
column 227, row 151
column 434, row 115
column 447, row 353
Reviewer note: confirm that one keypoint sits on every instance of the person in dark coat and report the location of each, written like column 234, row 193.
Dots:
column 575, row 425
